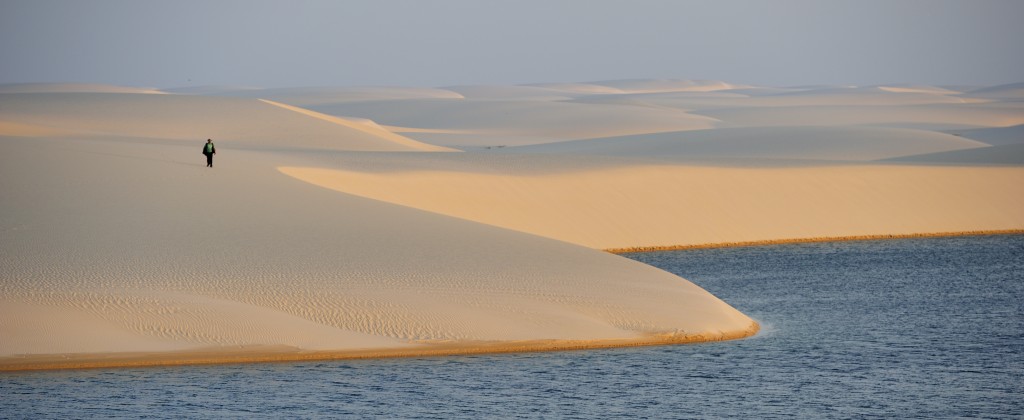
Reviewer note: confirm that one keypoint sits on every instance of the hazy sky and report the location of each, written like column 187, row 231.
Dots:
column 444, row 42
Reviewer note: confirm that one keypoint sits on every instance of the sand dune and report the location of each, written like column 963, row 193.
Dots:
column 18, row 129
column 579, row 88
column 310, row 96
column 140, row 242
column 1013, row 91
column 651, row 206
column 937, row 90
column 818, row 143
column 498, row 92
column 996, row 136
column 630, row 86
column 940, row 116
column 496, row 122
column 365, row 126
column 752, row 98
column 233, row 122
column 313, row 238
column 72, row 87
column 1007, row 154
column 667, row 85
column 222, row 90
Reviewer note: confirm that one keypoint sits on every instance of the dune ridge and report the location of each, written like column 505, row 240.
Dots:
column 366, row 126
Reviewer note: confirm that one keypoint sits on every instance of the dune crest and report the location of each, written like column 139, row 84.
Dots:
column 366, row 126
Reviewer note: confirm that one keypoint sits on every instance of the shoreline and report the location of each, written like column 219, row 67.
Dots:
column 766, row 242
column 283, row 354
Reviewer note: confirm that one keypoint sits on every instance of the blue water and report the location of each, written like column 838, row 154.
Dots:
column 928, row 328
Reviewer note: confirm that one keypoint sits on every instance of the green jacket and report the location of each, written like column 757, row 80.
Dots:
column 209, row 149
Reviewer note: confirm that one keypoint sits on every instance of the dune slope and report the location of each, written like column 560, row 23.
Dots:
column 639, row 206
column 147, row 250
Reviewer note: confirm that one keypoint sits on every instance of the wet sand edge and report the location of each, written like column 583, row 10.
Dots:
column 264, row 354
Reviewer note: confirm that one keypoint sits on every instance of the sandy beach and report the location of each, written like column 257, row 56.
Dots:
column 391, row 222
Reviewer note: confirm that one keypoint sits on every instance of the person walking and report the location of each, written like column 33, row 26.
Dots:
column 209, row 150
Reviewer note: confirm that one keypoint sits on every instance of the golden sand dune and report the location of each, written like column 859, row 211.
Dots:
column 312, row 238
column 662, row 206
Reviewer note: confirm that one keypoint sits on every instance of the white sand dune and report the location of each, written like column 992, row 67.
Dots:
column 314, row 238
column 667, row 85
column 140, row 241
column 817, row 143
column 499, row 92
column 754, row 98
column 365, row 126
column 946, row 116
column 579, row 88
column 629, row 86
column 230, row 121
column 223, row 90
column 72, row 87
column 19, row 129
column 309, row 96
column 497, row 122
column 871, row 95
column 905, row 88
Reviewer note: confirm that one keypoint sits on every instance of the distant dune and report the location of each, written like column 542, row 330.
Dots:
column 325, row 230
column 71, row 87
column 514, row 122
column 1012, row 91
column 309, row 96
column 996, row 136
column 787, row 143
